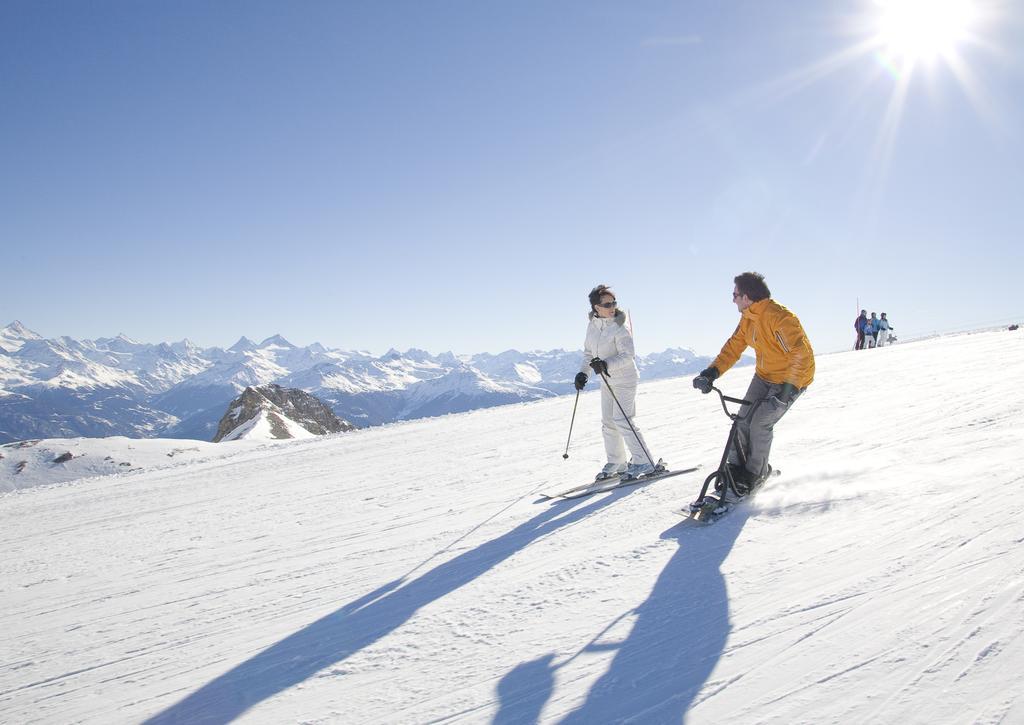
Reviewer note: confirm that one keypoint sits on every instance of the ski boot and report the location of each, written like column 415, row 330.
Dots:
column 644, row 470
column 610, row 470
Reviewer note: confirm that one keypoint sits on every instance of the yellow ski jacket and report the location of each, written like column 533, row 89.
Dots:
column 784, row 354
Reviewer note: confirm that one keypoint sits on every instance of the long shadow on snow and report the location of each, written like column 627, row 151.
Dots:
column 360, row 623
column 677, row 639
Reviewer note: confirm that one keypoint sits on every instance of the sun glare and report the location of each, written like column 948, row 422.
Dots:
column 923, row 30
column 906, row 47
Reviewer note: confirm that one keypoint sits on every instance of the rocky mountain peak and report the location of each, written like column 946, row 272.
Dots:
column 276, row 341
column 15, row 335
column 273, row 412
column 243, row 344
column 16, row 328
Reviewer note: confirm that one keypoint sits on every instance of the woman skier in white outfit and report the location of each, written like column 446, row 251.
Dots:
column 609, row 349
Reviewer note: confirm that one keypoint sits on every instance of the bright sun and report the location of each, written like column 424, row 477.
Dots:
column 923, row 30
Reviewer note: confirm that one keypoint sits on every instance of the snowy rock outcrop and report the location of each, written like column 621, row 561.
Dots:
column 273, row 412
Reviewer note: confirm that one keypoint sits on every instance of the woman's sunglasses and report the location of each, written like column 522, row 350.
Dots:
column 607, row 305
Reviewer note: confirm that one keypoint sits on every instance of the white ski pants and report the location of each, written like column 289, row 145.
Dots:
column 617, row 433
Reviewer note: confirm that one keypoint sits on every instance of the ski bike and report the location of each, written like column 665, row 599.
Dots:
column 708, row 508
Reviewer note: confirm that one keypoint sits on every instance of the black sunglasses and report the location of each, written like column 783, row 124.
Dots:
column 607, row 305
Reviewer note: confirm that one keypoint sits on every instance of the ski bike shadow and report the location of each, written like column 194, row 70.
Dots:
column 678, row 636
column 359, row 624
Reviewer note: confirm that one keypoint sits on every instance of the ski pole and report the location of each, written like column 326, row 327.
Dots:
column 638, row 438
column 566, row 454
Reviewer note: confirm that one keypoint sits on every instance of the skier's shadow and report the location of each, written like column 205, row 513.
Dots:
column 677, row 638
column 360, row 623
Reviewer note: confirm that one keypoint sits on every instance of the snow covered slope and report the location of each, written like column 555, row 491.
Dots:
column 409, row 573
column 266, row 426
column 26, row 464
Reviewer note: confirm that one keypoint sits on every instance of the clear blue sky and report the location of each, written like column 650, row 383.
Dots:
column 458, row 175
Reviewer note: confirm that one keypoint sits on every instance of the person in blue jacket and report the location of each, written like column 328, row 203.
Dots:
column 883, row 331
column 869, row 332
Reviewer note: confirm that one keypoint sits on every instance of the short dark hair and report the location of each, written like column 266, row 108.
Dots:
column 752, row 285
column 597, row 293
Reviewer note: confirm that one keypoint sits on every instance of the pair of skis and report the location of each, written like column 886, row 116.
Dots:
column 608, row 484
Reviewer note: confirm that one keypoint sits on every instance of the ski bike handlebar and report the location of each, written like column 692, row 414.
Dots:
column 724, row 398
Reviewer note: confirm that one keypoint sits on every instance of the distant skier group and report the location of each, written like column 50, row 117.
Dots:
column 872, row 331
column 784, row 369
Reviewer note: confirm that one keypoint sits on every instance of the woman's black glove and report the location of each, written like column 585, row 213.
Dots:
column 599, row 366
column 581, row 381
column 706, row 379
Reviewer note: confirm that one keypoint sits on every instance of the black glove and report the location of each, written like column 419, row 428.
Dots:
column 599, row 366
column 581, row 381
column 706, row 378
column 787, row 393
column 784, row 397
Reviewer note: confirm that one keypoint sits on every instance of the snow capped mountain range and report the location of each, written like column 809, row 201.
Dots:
column 62, row 387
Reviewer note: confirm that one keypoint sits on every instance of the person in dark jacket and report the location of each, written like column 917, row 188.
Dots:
column 858, row 325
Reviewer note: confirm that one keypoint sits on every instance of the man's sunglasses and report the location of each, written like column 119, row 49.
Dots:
column 607, row 305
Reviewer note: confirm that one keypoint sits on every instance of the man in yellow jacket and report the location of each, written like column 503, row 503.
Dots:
column 785, row 367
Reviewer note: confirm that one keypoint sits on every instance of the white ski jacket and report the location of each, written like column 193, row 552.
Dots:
column 610, row 339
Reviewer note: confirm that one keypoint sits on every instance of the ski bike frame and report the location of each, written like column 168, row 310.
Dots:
column 723, row 476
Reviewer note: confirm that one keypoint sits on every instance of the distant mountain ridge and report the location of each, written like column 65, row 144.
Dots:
column 62, row 387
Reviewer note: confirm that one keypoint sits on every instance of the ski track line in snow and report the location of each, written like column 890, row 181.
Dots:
column 950, row 657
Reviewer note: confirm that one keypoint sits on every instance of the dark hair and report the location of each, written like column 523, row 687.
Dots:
column 597, row 293
column 752, row 285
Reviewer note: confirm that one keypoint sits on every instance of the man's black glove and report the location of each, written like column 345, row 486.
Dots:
column 784, row 397
column 581, row 381
column 706, row 379
column 599, row 366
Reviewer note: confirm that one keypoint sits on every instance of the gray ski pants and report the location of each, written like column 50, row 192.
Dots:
column 756, row 433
